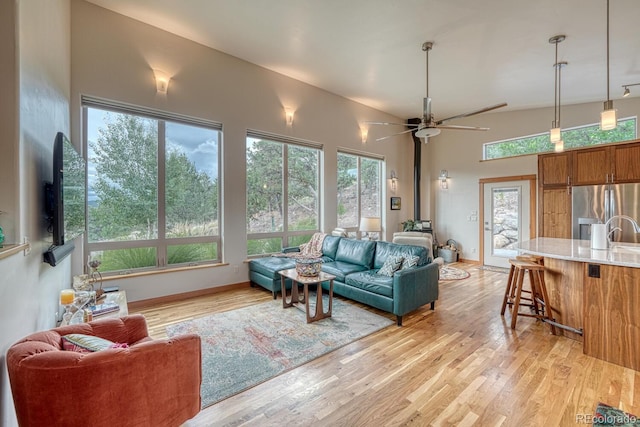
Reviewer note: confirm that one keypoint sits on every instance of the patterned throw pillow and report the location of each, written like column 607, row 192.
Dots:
column 390, row 266
column 88, row 343
column 410, row 261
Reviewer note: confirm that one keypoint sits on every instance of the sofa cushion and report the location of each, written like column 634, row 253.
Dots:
column 391, row 265
column 341, row 269
column 410, row 261
column 330, row 246
column 372, row 282
column 269, row 266
column 82, row 343
column 386, row 249
column 358, row 252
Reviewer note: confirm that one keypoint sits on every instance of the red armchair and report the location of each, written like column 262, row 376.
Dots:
column 151, row 383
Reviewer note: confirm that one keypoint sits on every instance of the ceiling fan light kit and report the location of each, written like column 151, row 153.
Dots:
column 428, row 126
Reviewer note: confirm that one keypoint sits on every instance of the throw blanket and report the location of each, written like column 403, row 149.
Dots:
column 311, row 249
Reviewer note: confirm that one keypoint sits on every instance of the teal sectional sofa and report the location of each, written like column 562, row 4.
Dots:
column 356, row 263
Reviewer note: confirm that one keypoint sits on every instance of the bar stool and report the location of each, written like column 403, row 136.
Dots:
column 510, row 291
column 539, row 297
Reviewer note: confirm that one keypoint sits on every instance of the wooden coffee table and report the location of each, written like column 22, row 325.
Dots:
column 305, row 281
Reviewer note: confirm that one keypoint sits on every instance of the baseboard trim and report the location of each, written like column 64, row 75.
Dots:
column 469, row 261
column 137, row 305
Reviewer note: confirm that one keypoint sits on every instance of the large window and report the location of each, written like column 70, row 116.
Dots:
column 583, row 136
column 359, row 190
column 283, row 192
column 153, row 188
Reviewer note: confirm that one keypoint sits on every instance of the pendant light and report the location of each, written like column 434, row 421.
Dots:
column 608, row 117
column 554, row 133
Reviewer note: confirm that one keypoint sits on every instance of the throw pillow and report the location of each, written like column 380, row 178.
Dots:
column 410, row 261
column 88, row 343
column 390, row 266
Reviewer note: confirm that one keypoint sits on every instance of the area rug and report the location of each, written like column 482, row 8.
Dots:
column 452, row 273
column 245, row 347
column 609, row 416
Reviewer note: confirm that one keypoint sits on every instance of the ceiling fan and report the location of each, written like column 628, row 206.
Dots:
column 428, row 126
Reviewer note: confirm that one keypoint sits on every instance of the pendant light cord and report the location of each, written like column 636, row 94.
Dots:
column 607, row 50
column 427, row 73
column 559, row 71
column 555, row 89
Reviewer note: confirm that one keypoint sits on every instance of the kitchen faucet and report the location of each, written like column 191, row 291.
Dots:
column 636, row 227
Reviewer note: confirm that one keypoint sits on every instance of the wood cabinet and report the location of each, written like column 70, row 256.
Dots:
column 555, row 209
column 558, row 172
column 554, row 170
column 592, row 166
column 611, row 315
column 563, row 280
column 626, row 163
column 554, row 194
column 603, row 303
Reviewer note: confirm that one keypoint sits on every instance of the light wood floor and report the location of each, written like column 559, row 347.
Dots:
column 459, row 365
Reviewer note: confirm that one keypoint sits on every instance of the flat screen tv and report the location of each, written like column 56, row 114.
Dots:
column 66, row 198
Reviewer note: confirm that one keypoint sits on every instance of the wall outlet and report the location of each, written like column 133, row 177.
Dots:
column 473, row 250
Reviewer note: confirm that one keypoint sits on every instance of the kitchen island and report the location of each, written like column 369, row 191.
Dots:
column 596, row 292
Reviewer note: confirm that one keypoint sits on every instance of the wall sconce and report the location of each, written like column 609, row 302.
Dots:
column 443, row 177
column 364, row 133
column 394, row 181
column 627, row 92
column 162, row 81
column 288, row 116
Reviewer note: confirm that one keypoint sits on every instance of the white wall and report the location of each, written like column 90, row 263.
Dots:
column 36, row 61
column 113, row 57
column 460, row 153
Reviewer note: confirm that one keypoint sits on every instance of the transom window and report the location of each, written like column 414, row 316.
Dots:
column 153, row 188
column 283, row 192
column 577, row 137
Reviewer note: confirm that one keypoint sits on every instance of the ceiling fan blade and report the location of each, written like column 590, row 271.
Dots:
column 454, row 127
column 391, row 124
column 473, row 113
column 395, row 134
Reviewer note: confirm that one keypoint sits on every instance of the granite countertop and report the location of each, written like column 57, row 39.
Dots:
column 621, row 253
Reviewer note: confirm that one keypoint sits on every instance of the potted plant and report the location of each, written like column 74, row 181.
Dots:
column 408, row 225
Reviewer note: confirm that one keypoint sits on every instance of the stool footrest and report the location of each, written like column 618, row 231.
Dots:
column 565, row 327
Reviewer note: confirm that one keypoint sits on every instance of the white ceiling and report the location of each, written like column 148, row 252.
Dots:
column 485, row 52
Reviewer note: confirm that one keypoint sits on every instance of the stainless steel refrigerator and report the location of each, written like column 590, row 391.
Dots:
column 592, row 204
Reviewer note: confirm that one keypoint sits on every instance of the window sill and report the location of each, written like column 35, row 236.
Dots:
column 10, row 249
column 161, row 271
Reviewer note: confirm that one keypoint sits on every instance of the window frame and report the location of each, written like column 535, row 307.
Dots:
column 285, row 235
column 563, row 132
column 161, row 243
column 354, row 231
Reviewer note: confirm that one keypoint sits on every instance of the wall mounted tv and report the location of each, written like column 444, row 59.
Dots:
column 65, row 199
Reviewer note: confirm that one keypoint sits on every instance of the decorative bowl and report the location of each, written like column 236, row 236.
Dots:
column 308, row 267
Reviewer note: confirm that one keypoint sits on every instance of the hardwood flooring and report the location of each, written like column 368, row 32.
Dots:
column 459, row 365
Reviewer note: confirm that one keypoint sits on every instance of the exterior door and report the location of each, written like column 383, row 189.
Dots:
column 506, row 220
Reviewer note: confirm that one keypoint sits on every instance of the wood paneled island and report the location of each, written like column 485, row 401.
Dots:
column 595, row 291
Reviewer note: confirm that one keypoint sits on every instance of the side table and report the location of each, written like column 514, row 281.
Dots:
column 119, row 298
column 305, row 281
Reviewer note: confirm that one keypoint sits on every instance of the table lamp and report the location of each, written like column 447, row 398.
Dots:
column 369, row 225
